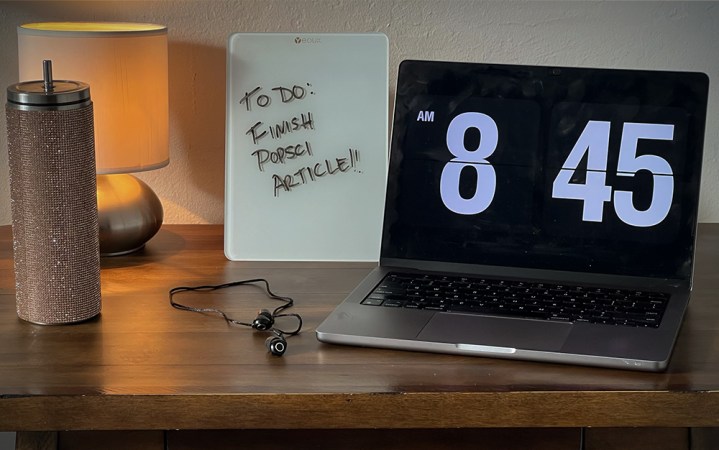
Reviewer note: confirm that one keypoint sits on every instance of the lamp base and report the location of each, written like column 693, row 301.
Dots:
column 129, row 214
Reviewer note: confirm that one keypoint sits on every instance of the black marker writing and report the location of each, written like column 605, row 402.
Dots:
column 262, row 100
column 256, row 136
column 287, row 95
column 278, row 130
column 312, row 173
column 281, row 154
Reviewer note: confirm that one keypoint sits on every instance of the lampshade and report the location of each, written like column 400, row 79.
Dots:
column 125, row 65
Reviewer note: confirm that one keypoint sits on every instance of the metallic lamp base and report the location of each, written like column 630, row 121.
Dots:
column 129, row 214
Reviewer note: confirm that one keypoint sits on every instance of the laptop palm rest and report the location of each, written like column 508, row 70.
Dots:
column 495, row 332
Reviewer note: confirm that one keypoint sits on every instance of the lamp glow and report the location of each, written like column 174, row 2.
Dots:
column 125, row 65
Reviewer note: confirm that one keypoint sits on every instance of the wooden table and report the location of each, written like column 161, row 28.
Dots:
column 145, row 366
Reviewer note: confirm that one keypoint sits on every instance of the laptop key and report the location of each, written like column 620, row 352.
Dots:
column 559, row 318
column 372, row 301
column 393, row 303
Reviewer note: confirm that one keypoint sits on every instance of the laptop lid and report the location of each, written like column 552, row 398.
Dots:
column 553, row 168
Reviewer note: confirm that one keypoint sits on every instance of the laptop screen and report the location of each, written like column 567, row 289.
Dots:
column 572, row 169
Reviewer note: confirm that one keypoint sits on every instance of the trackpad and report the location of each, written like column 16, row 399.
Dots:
column 495, row 331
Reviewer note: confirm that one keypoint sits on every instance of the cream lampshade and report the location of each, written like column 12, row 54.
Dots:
column 125, row 65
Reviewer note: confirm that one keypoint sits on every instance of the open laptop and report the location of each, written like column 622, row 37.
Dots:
column 538, row 213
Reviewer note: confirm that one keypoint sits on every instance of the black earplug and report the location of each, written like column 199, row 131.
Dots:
column 263, row 321
column 276, row 345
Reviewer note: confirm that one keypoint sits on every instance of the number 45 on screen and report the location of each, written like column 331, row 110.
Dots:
column 594, row 192
column 594, row 142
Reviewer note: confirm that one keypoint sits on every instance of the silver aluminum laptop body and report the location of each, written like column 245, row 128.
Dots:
column 493, row 174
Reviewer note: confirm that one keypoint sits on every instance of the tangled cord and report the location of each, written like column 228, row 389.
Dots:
column 276, row 313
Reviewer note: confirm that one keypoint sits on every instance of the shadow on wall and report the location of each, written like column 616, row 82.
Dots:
column 197, row 114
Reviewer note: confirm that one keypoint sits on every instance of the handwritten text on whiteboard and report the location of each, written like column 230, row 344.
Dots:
column 273, row 147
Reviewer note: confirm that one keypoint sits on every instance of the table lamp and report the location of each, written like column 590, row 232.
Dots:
column 125, row 65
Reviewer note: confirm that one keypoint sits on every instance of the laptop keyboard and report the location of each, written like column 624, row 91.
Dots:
column 547, row 301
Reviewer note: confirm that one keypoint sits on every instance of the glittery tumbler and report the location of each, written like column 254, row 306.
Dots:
column 53, row 200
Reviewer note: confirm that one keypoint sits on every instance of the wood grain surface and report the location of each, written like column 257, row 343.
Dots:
column 144, row 365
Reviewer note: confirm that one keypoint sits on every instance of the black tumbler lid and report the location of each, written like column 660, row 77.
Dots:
column 48, row 92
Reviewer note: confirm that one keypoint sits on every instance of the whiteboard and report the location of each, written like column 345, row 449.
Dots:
column 306, row 148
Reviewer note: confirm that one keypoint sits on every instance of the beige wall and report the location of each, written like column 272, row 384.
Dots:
column 659, row 35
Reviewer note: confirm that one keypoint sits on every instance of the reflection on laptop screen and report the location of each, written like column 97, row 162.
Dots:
column 589, row 170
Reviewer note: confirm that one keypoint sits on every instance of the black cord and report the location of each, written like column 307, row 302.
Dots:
column 277, row 312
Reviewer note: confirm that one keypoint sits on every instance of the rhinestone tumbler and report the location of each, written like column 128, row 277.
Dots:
column 53, row 200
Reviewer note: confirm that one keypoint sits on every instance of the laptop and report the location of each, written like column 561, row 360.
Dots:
column 535, row 213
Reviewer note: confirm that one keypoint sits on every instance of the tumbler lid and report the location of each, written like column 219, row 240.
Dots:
column 48, row 92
